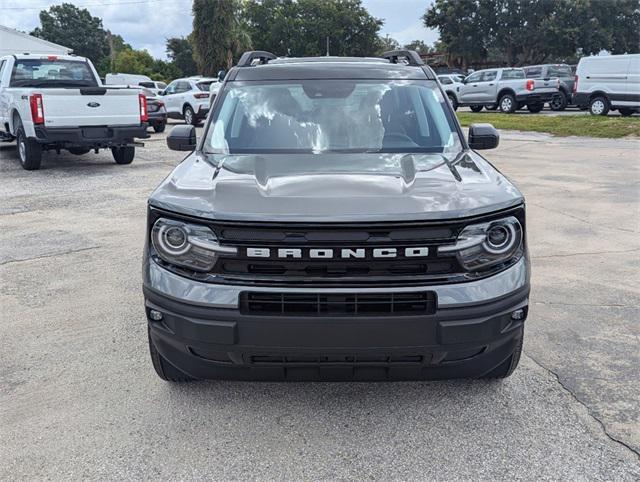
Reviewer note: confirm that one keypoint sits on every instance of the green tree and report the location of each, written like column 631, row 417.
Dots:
column 301, row 28
column 419, row 46
column 387, row 43
column 180, row 52
column 75, row 28
column 218, row 34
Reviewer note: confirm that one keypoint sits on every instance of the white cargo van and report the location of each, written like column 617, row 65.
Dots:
column 610, row 82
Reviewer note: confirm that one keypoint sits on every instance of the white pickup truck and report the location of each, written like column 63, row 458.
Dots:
column 58, row 102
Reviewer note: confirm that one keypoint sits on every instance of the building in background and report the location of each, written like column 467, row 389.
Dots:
column 14, row 42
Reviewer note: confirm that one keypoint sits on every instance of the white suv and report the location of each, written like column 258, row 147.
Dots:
column 188, row 99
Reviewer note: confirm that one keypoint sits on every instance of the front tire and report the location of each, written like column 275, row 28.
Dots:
column 29, row 151
column 475, row 108
column 123, row 155
column 454, row 101
column 158, row 128
column 625, row 112
column 163, row 368
column 508, row 104
column 599, row 106
column 535, row 108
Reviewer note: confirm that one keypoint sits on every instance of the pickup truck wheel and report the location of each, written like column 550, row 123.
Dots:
column 163, row 368
column 626, row 112
column 78, row 151
column 475, row 108
column 159, row 127
column 189, row 116
column 559, row 102
column 453, row 100
column 508, row 104
column 123, row 155
column 599, row 106
column 535, row 108
column 506, row 368
column 29, row 151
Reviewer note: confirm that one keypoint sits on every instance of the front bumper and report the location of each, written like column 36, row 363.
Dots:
column 537, row 97
column 98, row 136
column 204, row 334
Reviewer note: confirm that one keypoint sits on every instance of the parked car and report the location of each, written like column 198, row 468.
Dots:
column 188, row 99
column 57, row 102
column 154, row 86
column 125, row 79
column 563, row 73
column 335, row 223
column 450, row 84
column 605, row 83
column 507, row 88
column 157, row 113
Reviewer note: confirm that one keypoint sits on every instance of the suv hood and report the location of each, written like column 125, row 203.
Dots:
column 335, row 187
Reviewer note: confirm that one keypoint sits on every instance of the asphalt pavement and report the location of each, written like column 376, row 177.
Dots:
column 80, row 400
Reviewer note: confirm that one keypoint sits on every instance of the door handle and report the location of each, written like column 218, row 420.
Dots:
column 490, row 84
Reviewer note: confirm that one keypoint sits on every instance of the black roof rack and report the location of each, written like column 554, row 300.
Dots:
column 248, row 57
column 411, row 56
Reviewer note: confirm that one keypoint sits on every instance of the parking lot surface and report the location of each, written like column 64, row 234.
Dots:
column 79, row 398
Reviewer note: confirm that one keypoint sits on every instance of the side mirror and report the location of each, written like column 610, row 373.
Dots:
column 483, row 136
column 161, row 92
column 182, row 138
column 221, row 75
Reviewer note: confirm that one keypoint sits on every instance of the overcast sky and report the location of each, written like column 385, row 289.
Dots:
column 146, row 24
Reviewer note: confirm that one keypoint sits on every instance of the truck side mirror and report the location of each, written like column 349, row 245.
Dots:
column 483, row 136
column 221, row 75
column 182, row 138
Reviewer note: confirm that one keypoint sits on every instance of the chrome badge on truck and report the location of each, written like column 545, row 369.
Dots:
column 343, row 253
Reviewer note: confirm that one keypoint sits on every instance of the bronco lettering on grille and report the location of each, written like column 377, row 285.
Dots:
column 344, row 253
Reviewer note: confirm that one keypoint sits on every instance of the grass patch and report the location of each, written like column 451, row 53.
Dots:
column 559, row 125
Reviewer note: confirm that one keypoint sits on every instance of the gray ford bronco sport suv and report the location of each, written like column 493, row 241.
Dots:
column 334, row 223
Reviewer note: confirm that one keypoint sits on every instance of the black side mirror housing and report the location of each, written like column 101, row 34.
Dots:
column 483, row 136
column 182, row 138
column 221, row 75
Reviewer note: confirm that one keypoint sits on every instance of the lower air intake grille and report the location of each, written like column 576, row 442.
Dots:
column 328, row 304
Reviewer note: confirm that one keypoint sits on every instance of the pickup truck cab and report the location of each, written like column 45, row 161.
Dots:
column 507, row 88
column 334, row 223
column 58, row 102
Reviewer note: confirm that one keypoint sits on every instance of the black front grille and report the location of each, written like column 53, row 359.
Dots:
column 337, row 269
column 335, row 304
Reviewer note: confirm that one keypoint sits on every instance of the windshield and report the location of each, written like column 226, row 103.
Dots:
column 52, row 73
column 314, row 116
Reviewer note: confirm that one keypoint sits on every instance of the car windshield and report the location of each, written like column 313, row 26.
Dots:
column 315, row 116
column 52, row 72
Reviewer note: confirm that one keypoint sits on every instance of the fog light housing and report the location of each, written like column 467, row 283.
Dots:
column 518, row 315
column 155, row 315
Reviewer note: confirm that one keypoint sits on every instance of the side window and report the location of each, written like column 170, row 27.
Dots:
column 183, row 87
column 489, row 76
column 445, row 80
column 2, row 64
column 475, row 77
column 534, row 72
column 172, row 88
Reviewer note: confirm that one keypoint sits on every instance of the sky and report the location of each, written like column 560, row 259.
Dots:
column 146, row 24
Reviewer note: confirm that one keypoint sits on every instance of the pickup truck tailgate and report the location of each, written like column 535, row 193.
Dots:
column 545, row 85
column 94, row 106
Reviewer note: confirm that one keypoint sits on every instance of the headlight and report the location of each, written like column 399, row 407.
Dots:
column 187, row 245
column 481, row 246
